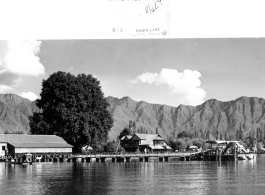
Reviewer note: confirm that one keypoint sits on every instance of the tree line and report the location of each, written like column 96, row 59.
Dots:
column 252, row 138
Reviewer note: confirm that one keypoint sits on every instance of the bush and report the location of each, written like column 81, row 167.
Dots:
column 198, row 142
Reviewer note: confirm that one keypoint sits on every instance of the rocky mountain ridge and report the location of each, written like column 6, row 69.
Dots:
column 14, row 112
column 213, row 117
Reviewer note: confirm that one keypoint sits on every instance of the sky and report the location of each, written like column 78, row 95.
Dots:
column 163, row 71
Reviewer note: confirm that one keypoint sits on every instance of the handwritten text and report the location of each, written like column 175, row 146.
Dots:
column 149, row 9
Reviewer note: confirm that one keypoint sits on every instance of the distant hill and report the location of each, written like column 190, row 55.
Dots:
column 14, row 112
column 212, row 116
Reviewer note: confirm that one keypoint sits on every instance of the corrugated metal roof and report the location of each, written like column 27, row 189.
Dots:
column 150, row 138
column 168, row 147
column 158, row 138
column 160, row 147
column 41, row 145
column 141, row 136
column 36, row 141
column 157, row 147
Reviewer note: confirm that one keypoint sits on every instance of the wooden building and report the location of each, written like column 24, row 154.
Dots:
column 145, row 143
column 13, row 144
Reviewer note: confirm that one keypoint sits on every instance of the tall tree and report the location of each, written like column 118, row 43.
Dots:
column 195, row 133
column 208, row 134
column 226, row 136
column 74, row 108
column 221, row 136
column 134, row 127
column 130, row 125
column 125, row 131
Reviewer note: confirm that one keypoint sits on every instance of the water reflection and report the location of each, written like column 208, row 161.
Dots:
column 174, row 177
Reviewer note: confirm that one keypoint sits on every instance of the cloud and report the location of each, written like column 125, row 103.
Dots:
column 29, row 95
column 20, row 59
column 186, row 84
column 4, row 88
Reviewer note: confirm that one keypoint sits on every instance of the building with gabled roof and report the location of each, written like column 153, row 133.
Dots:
column 145, row 142
column 124, row 139
column 12, row 144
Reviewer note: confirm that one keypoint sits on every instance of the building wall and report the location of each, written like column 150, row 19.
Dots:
column 43, row 150
column 3, row 149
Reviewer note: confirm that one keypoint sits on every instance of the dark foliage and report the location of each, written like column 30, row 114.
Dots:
column 183, row 134
column 125, row 131
column 128, row 131
column 74, row 108
column 177, row 144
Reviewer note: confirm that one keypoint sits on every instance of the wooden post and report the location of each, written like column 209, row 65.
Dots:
column 235, row 151
column 128, row 159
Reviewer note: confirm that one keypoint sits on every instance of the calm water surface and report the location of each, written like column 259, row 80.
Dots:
column 173, row 177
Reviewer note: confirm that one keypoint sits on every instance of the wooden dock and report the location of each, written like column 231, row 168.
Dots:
column 162, row 157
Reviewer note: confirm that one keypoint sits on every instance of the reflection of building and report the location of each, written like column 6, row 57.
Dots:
column 150, row 142
column 19, row 144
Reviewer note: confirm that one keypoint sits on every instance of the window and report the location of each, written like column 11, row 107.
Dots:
column 3, row 148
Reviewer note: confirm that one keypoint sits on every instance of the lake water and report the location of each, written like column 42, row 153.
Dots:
column 173, row 177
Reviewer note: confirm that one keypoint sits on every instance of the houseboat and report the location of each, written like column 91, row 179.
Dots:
column 219, row 150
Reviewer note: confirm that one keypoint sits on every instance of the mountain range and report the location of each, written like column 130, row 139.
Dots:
column 14, row 112
column 213, row 117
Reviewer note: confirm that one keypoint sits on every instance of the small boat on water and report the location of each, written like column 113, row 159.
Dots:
column 219, row 150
